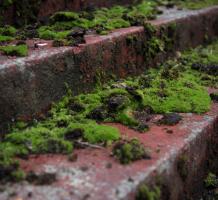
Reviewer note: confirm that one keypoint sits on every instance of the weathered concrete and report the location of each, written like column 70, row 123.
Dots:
column 30, row 84
column 179, row 162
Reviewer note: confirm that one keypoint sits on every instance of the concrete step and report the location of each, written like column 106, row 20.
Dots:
column 30, row 84
column 179, row 161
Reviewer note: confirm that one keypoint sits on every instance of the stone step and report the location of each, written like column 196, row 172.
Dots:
column 30, row 84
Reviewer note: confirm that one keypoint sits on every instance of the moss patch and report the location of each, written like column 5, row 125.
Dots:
column 19, row 50
column 211, row 181
column 144, row 192
column 129, row 151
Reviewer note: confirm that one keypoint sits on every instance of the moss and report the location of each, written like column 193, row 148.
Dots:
column 20, row 50
column 4, row 38
column 182, row 167
column 144, row 192
column 102, row 20
column 195, row 5
column 64, row 16
column 211, row 181
column 126, row 117
column 204, row 63
column 8, row 31
column 129, row 151
column 95, row 133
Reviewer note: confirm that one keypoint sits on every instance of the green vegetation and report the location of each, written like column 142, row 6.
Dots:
column 101, row 20
column 4, row 38
column 8, row 31
column 19, row 50
column 144, row 193
column 211, row 181
column 195, row 4
column 129, row 151
column 204, row 63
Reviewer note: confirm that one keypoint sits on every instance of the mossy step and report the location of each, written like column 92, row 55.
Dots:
column 173, row 87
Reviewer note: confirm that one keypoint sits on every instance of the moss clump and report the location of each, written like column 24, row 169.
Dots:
column 145, row 193
column 211, row 181
column 20, row 50
column 101, row 20
column 8, row 31
column 4, row 38
column 204, row 63
column 129, row 151
column 94, row 133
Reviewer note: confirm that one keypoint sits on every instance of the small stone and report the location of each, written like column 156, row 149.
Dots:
column 170, row 119
column 214, row 97
column 76, row 31
column 76, row 107
column 117, row 102
column 40, row 45
column 98, row 113
column 74, row 134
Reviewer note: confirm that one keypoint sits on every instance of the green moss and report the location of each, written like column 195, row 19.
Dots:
column 95, row 133
column 195, row 5
column 102, row 20
column 4, row 38
column 64, row 16
column 211, row 181
column 8, row 31
column 20, row 50
column 127, row 152
column 145, row 193
column 178, row 95
column 206, row 61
